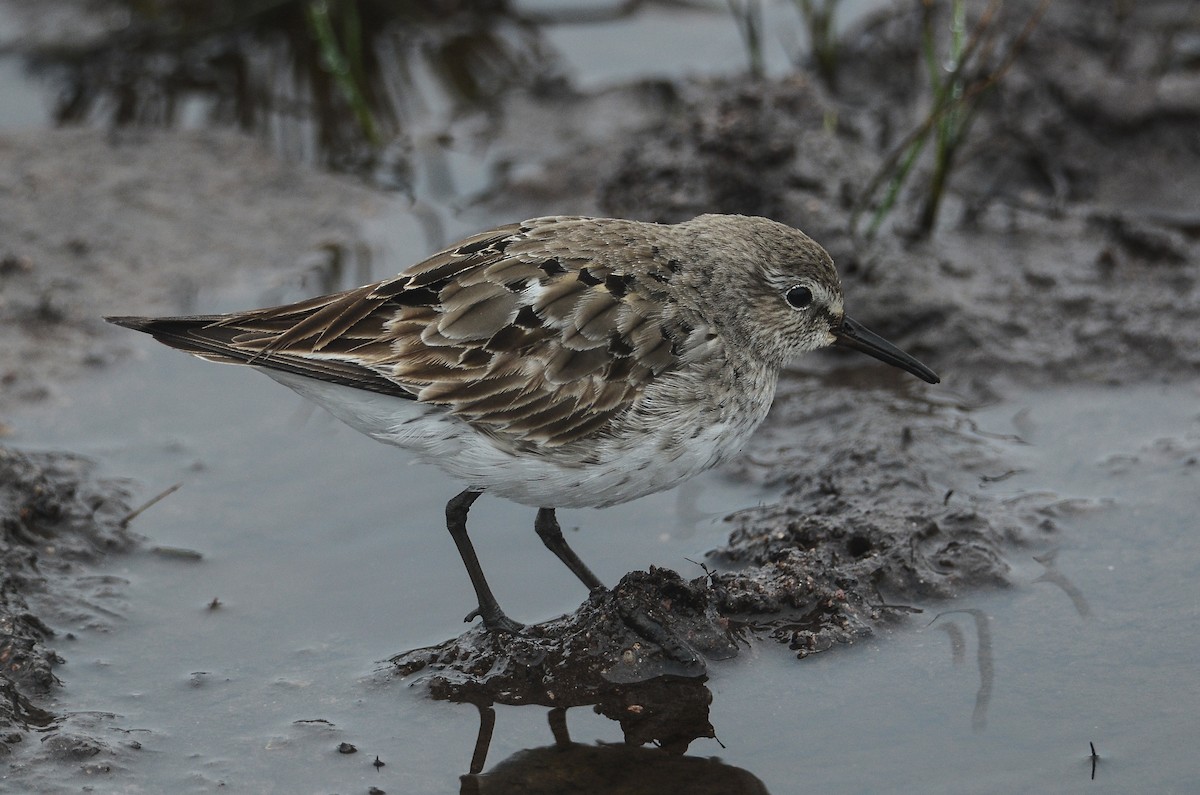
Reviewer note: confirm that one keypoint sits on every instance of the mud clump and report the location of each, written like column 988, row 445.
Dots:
column 866, row 531
column 55, row 518
column 735, row 155
column 652, row 624
column 636, row 653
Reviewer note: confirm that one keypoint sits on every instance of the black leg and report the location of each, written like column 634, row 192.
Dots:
column 483, row 740
column 489, row 609
column 546, row 525
column 558, row 727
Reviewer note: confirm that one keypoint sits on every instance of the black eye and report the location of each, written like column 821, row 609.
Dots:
column 798, row 297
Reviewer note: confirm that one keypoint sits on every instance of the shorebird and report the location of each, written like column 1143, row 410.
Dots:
column 560, row 362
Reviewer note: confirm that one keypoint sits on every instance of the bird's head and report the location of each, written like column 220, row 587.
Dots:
column 783, row 293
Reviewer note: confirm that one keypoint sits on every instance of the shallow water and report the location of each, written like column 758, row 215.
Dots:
column 676, row 42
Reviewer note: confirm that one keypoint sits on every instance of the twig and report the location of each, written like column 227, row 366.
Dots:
column 136, row 512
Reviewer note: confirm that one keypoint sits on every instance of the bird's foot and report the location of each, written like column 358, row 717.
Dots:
column 496, row 621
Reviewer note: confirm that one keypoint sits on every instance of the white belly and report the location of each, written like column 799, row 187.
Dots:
column 593, row 473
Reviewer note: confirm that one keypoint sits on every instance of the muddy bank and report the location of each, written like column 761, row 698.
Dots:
column 56, row 518
column 1063, row 256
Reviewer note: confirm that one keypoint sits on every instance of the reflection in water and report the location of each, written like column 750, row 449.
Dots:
column 1055, row 577
column 985, row 660
column 341, row 82
column 668, row 711
column 958, row 643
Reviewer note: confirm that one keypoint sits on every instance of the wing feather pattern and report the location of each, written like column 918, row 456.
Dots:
column 518, row 330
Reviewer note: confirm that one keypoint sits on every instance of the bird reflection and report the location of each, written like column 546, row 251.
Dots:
column 668, row 712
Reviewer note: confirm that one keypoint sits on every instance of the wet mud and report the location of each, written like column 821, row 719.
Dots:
column 56, row 519
column 885, row 505
column 636, row 653
column 1064, row 253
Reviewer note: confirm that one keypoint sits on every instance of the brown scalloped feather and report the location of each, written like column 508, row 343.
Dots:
column 511, row 330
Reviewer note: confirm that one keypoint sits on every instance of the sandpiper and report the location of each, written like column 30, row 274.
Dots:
column 561, row 362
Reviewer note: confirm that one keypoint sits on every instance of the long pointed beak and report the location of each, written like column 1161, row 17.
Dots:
column 854, row 335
